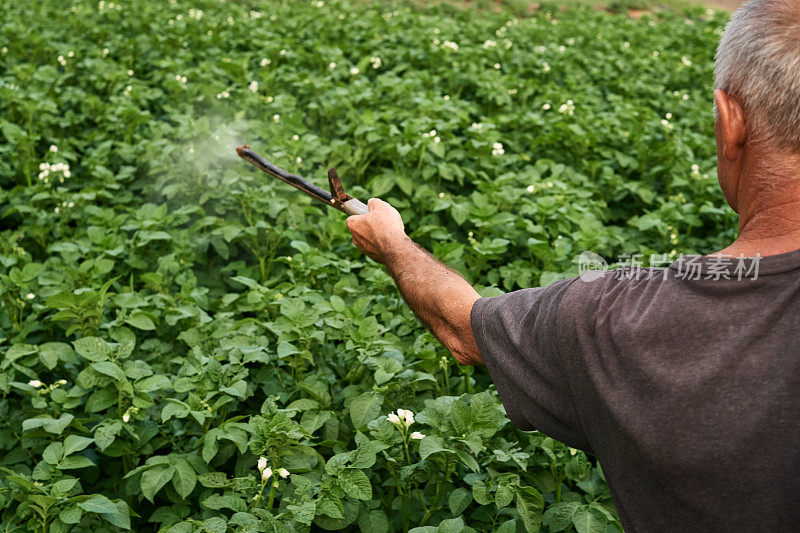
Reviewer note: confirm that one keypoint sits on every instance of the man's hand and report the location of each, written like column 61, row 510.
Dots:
column 439, row 296
column 376, row 232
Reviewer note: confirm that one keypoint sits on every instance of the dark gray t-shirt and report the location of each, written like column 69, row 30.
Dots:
column 684, row 384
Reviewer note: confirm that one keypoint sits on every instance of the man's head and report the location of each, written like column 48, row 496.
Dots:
column 758, row 93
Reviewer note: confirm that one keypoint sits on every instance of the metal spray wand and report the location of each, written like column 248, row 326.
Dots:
column 337, row 198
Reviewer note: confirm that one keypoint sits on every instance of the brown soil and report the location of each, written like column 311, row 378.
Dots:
column 722, row 4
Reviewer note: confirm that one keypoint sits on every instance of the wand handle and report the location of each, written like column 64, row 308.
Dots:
column 355, row 207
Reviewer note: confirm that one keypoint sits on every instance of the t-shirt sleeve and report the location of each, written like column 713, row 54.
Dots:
column 517, row 336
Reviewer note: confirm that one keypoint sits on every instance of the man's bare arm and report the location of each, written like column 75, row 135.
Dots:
column 438, row 295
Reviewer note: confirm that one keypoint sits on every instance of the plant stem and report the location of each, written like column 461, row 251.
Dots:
column 271, row 496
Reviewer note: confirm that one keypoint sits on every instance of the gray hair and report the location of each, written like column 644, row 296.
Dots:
column 758, row 64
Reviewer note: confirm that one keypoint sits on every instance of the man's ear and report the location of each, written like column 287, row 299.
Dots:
column 732, row 125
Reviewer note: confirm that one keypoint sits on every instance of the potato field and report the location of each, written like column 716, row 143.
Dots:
column 189, row 345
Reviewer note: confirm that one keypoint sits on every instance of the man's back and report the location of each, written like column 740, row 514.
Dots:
column 686, row 385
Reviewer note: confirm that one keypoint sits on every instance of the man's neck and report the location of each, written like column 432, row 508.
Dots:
column 769, row 212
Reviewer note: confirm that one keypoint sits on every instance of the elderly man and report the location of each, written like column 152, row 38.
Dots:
column 687, row 388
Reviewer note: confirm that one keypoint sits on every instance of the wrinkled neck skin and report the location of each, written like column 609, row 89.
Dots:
column 763, row 187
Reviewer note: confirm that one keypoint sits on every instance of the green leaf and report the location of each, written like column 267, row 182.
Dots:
column 75, row 461
column 373, row 521
column 97, row 503
column 71, row 515
column 365, row 408
column 141, row 321
column 330, row 505
column 355, row 484
column 481, row 493
column 48, row 357
column 509, row 526
column 121, row 517
column 223, row 501
column 92, row 348
column 75, row 443
column 213, row 480
column 110, row 369
column 153, row 383
column 431, row 444
column 452, row 525
column 459, row 500
column 53, row 453
column 238, row 389
column 58, row 425
column 63, row 486
column 530, row 506
column 102, row 399
column 174, row 408
column 559, row 515
column 210, row 445
column 215, row 524
column 304, row 513
column 62, row 300
column 588, row 520
column 337, row 304
column 153, row 479
column 503, row 496
column 184, row 478
column 365, row 455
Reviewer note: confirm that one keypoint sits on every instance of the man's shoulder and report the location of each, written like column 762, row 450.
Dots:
column 598, row 291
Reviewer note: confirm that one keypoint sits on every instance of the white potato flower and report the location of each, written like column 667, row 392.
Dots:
column 126, row 417
column 30, row 296
column 266, row 473
column 417, row 435
column 283, row 473
column 393, row 418
column 451, row 45
column 253, row 86
column 354, row 70
column 35, row 383
column 262, row 463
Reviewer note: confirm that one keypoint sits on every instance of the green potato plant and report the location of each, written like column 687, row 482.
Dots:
column 186, row 346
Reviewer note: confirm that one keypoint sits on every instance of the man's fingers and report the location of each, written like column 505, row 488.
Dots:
column 372, row 203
